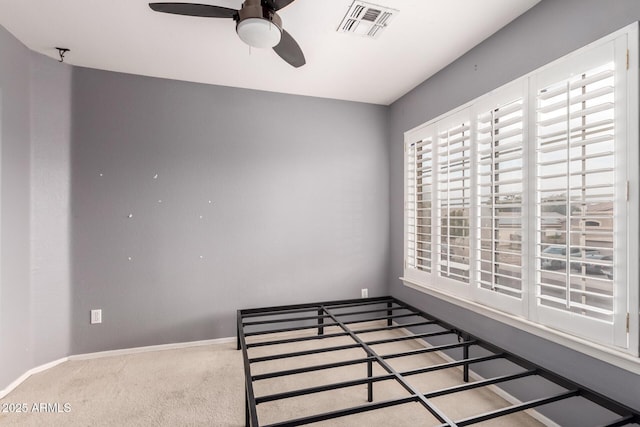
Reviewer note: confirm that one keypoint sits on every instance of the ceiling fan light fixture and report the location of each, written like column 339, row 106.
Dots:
column 259, row 32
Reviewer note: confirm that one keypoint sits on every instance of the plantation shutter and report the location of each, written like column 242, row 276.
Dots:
column 454, row 197
column 525, row 200
column 419, row 166
column 579, row 194
column 500, row 229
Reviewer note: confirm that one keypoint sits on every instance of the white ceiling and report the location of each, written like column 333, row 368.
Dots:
column 127, row 36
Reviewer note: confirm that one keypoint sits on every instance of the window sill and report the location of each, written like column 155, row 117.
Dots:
column 614, row 357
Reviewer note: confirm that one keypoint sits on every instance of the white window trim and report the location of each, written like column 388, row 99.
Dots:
column 626, row 359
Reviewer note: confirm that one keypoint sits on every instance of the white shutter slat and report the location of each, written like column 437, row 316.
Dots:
column 560, row 105
column 496, row 126
column 501, row 136
column 454, row 131
column 592, row 110
column 552, row 121
column 500, row 112
column 501, row 170
column 503, row 158
column 593, row 94
column 502, row 149
column 603, row 75
column 606, row 125
column 586, row 157
column 589, row 141
column 552, row 92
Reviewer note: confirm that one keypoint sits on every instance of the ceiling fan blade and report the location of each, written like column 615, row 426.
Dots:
column 192, row 9
column 289, row 50
column 278, row 4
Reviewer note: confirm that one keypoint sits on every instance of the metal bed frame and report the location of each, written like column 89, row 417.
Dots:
column 391, row 312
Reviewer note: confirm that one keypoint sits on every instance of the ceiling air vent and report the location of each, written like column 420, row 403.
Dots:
column 366, row 19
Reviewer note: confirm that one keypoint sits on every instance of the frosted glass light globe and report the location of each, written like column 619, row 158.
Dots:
column 259, row 32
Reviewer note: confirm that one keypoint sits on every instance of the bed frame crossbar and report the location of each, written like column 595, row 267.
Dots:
column 258, row 323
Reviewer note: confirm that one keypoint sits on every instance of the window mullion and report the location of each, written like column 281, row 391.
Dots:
column 494, row 201
column 531, row 204
column 567, row 238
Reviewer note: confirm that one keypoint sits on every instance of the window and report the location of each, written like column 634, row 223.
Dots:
column 520, row 200
column 576, row 152
column 499, row 201
column 419, row 192
column 454, row 198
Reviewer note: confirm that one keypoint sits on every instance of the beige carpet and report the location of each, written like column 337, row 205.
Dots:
column 204, row 386
column 195, row 386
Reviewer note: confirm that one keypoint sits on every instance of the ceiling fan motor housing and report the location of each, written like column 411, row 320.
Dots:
column 258, row 25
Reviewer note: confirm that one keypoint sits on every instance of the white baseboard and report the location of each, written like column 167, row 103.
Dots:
column 86, row 356
column 134, row 350
column 8, row 389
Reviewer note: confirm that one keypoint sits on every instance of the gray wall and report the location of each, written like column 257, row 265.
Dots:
column 299, row 206
column 298, row 189
column 15, row 320
column 548, row 31
column 34, row 173
column 50, row 206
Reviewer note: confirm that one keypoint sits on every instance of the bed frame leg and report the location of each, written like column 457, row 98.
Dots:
column 389, row 313
column 247, row 421
column 465, row 371
column 370, row 383
column 238, row 329
column 320, row 322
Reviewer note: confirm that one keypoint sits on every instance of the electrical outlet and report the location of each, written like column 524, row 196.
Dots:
column 364, row 293
column 96, row 316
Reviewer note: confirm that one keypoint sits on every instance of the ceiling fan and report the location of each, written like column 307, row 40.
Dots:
column 257, row 24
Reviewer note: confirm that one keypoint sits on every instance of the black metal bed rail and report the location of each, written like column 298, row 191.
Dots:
column 252, row 312
column 324, row 387
column 285, row 319
column 329, row 314
column 344, row 412
column 303, row 353
column 477, row 384
column 397, row 326
column 516, row 408
column 299, row 339
column 378, row 310
column 454, row 364
column 595, row 397
column 408, row 337
column 313, row 368
column 622, row 421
